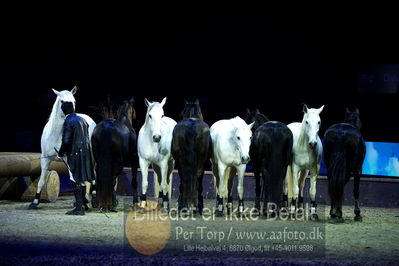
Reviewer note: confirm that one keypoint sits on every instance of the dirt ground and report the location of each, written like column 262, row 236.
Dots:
column 49, row 236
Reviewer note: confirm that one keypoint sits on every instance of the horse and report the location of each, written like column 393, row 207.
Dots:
column 52, row 135
column 154, row 148
column 231, row 139
column 191, row 148
column 114, row 144
column 271, row 153
column 344, row 152
column 307, row 151
column 255, row 116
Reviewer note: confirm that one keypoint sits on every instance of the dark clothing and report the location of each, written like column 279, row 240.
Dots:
column 76, row 145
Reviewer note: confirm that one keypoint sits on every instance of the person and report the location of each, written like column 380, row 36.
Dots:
column 76, row 145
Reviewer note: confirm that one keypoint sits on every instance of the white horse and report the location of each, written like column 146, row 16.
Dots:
column 231, row 139
column 52, row 136
column 307, row 151
column 154, row 147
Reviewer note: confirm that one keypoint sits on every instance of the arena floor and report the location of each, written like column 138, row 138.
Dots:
column 47, row 235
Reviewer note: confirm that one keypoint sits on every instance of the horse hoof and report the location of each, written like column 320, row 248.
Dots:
column 314, row 217
column 337, row 219
column 33, row 206
column 218, row 213
column 358, row 218
column 76, row 212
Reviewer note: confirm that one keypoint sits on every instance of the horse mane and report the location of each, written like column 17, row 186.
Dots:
column 192, row 110
column 53, row 115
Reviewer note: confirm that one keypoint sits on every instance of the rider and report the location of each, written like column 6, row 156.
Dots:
column 76, row 145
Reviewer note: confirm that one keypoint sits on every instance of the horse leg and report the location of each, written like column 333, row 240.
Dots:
column 230, row 183
column 200, row 198
column 164, row 186
column 301, row 184
column 114, row 202
column 171, row 165
column 44, row 163
column 158, row 192
column 134, row 182
column 356, row 181
column 295, row 173
column 257, row 190
column 240, row 188
column 144, row 164
column 286, row 188
column 220, row 188
column 312, row 193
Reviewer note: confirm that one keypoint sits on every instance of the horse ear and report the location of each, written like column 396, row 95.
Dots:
column 197, row 102
column 251, row 125
column 147, row 103
column 305, row 108
column 132, row 101
column 56, row 92
column 163, row 102
column 321, row 109
column 74, row 89
column 357, row 111
column 257, row 111
column 347, row 110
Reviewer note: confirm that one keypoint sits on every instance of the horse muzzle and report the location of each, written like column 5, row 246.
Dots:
column 156, row 138
column 313, row 145
column 245, row 159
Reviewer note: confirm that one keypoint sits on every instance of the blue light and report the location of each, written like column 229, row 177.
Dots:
column 381, row 159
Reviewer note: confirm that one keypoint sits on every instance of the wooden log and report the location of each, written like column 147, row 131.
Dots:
column 14, row 164
column 23, row 188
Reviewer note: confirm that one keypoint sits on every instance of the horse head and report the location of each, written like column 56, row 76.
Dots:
column 242, row 135
column 66, row 101
column 192, row 110
column 154, row 117
column 352, row 117
column 257, row 117
column 311, row 122
column 126, row 111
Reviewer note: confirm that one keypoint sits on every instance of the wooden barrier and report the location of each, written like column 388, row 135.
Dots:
column 19, row 176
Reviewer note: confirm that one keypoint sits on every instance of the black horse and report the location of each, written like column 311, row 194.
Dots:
column 114, row 144
column 271, row 153
column 344, row 152
column 191, row 149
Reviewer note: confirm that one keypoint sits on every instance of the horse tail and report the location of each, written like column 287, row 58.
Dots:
column 105, row 162
column 191, row 160
column 336, row 175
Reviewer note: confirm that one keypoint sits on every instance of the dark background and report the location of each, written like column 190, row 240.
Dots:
column 271, row 62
